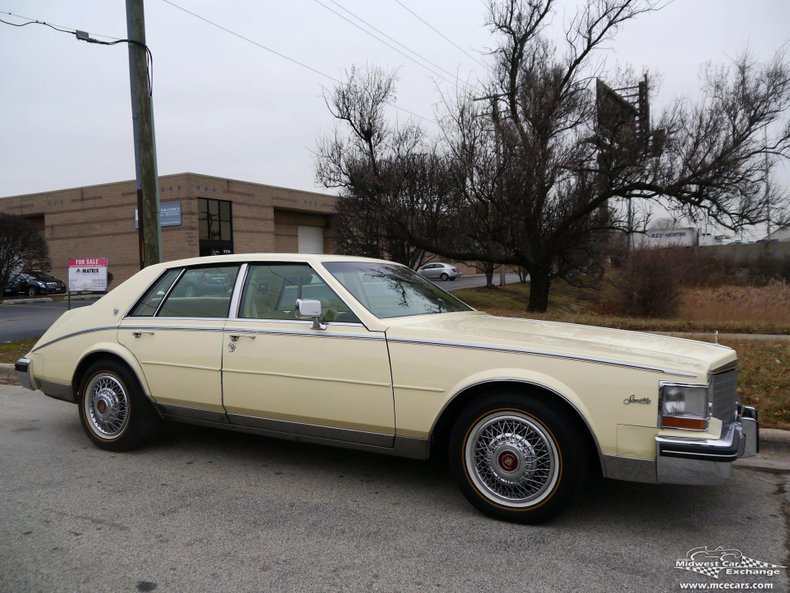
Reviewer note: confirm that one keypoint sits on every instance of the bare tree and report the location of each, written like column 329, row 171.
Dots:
column 385, row 173
column 21, row 247
column 532, row 175
column 556, row 161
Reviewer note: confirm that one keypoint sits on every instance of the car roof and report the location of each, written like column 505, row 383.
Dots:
column 275, row 257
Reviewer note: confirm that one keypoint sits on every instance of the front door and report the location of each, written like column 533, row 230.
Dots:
column 282, row 375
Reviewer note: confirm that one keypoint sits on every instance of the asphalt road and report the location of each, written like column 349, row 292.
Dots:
column 20, row 320
column 206, row 510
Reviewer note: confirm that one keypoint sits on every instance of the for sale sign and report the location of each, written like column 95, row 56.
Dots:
column 88, row 274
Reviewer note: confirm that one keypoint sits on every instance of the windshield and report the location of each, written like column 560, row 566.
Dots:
column 392, row 290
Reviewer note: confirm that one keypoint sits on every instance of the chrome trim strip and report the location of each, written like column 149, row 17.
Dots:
column 73, row 334
column 313, row 430
column 274, row 332
column 515, row 350
column 417, row 388
column 315, row 334
column 179, row 366
column 208, row 328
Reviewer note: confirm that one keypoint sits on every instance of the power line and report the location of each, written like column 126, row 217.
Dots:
column 60, row 28
column 420, row 56
column 85, row 36
column 438, row 32
column 281, row 55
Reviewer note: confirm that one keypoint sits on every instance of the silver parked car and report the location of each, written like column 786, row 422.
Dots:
column 439, row 270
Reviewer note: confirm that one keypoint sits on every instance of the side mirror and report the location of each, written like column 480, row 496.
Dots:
column 310, row 309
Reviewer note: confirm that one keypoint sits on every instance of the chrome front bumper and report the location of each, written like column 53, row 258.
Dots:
column 708, row 462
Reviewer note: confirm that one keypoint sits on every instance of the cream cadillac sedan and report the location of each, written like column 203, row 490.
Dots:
column 367, row 354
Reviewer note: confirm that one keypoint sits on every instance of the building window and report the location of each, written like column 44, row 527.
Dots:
column 215, row 226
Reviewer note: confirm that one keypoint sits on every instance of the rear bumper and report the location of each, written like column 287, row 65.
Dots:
column 22, row 368
column 708, row 462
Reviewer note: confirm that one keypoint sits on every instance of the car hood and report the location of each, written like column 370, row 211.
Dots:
column 611, row 346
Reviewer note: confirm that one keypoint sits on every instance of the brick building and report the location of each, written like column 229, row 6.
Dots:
column 200, row 215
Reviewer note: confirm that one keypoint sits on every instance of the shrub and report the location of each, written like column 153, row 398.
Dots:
column 648, row 285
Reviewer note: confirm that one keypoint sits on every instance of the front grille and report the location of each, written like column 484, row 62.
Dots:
column 725, row 395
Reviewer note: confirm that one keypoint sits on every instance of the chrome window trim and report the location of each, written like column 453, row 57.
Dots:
column 515, row 350
column 310, row 333
column 243, row 330
column 169, row 290
column 235, row 299
column 147, row 288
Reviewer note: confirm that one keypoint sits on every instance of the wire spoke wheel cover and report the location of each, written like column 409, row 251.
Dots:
column 106, row 406
column 512, row 459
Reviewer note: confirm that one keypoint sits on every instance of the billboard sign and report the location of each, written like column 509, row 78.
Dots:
column 88, row 274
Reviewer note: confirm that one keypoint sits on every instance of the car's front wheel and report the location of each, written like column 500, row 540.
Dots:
column 32, row 291
column 114, row 412
column 518, row 458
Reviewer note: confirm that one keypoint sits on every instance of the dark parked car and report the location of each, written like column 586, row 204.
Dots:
column 34, row 283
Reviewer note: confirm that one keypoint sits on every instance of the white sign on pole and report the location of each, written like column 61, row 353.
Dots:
column 88, row 274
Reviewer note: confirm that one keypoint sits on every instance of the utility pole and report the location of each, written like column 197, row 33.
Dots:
column 149, row 231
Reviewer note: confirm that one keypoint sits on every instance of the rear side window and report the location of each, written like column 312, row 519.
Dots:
column 201, row 292
column 147, row 306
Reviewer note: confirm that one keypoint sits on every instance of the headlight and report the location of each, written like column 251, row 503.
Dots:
column 41, row 284
column 685, row 406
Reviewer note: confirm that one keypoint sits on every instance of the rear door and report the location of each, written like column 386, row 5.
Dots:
column 175, row 332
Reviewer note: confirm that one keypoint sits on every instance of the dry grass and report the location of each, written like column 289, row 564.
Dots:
column 764, row 304
column 764, row 377
column 753, row 310
column 11, row 351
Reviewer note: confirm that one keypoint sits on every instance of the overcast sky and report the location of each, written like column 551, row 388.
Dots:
column 225, row 106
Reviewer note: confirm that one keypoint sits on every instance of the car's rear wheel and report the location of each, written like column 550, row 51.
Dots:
column 114, row 412
column 444, row 276
column 518, row 458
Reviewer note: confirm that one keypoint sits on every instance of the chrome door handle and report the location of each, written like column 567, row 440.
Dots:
column 138, row 334
column 235, row 337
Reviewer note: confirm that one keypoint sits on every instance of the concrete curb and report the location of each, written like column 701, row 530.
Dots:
column 770, row 438
column 74, row 297
column 27, row 301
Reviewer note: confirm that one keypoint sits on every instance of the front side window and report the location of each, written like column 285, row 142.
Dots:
column 271, row 290
column 201, row 292
column 391, row 290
